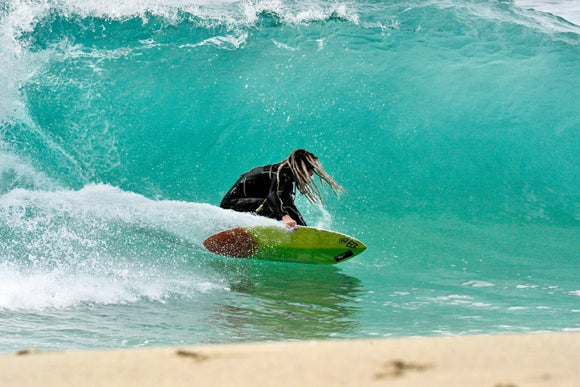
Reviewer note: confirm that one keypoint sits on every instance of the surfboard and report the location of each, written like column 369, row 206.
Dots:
column 274, row 243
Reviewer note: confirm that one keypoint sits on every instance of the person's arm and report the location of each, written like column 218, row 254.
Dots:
column 290, row 209
column 281, row 202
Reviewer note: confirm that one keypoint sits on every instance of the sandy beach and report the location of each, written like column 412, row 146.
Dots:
column 499, row 360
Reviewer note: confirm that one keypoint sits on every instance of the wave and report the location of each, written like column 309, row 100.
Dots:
column 441, row 101
column 452, row 108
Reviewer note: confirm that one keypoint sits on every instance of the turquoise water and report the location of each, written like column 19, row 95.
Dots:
column 453, row 126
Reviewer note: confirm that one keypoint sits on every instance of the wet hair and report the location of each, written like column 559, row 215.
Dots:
column 301, row 163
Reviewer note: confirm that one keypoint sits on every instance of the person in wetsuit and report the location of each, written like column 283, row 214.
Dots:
column 269, row 190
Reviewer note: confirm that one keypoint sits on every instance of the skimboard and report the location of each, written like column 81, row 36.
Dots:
column 274, row 243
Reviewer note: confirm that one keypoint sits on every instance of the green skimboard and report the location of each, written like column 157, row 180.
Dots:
column 274, row 243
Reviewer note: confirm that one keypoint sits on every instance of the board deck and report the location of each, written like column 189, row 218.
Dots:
column 274, row 243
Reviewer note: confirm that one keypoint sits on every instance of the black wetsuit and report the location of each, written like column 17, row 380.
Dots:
column 261, row 192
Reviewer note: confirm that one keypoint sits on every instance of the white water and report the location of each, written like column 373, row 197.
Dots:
column 566, row 9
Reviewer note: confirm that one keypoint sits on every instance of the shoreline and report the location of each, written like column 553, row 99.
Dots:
column 534, row 359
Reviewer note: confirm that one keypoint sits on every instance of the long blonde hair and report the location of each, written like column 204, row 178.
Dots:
column 301, row 162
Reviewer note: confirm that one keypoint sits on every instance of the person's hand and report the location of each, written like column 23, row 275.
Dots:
column 290, row 223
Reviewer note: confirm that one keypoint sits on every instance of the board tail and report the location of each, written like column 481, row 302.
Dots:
column 235, row 243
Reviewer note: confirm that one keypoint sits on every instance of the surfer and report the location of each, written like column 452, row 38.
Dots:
column 269, row 190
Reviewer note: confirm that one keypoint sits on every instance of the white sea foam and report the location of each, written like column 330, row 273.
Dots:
column 69, row 286
column 478, row 284
column 107, row 203
column 566, row 9
column 233, row 12
column 61, row 288
column 102, row 245
column 228, row 42
column 16, row 172
column 16, row 64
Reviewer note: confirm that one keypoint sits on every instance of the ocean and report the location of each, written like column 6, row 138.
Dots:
column 453, row 126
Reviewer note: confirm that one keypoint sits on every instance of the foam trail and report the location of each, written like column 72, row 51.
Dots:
column 40, row 212
column 102, row 245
